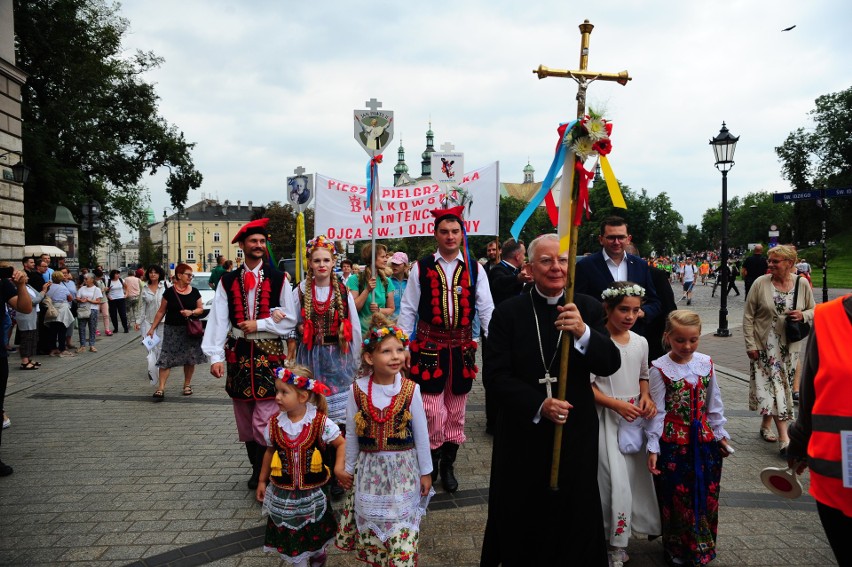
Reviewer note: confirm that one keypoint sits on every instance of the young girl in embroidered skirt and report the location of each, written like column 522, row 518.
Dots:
column 388, row 454
column 301, row 522
column 624, row 404
column 686, row 443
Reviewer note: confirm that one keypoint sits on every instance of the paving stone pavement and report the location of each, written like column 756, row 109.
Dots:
column 103, row 476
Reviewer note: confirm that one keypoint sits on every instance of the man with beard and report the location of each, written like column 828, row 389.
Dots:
column 492, row 251
column 242, row 334
column 528, row 523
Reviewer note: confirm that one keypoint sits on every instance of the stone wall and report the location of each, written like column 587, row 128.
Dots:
column 11, row 193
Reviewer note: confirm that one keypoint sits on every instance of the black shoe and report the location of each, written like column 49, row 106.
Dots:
column 448, row 459
column 5, row 470
column 436, row 463
column 252, row 451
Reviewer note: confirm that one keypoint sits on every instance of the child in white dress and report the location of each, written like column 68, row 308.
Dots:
column 388, row 454
column 624, row 402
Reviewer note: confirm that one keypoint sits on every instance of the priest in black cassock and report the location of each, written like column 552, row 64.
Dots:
column 528, row 523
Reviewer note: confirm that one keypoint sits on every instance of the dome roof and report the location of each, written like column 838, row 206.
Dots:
column 150, row 216
column 528, row 168
column 62, row 216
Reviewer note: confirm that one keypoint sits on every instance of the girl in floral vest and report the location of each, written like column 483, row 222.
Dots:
column 686, row 443
column 388, row 454
column 301, row 522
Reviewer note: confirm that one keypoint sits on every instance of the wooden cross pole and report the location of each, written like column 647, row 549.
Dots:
column 567, row 211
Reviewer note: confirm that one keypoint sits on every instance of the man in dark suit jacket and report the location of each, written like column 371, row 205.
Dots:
column 596, row 272
column 507, row 279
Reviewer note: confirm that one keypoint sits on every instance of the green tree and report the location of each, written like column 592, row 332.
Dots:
column 665, row 234
column 282, row 227
column 148, row 253
column 694, row 241
column 817, row 158
column 91, row 127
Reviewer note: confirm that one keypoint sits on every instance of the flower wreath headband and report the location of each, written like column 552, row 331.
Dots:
column 378, row 335
column 627, row 291
column 321, row 242
column 303, row 383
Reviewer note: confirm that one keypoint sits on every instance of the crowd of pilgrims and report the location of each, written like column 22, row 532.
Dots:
column 370, row 400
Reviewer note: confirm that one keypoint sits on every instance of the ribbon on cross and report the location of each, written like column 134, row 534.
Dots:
column 372, row 177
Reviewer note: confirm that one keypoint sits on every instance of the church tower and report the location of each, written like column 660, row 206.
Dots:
column 400, row 169
column 529, row 172
column 426, row 163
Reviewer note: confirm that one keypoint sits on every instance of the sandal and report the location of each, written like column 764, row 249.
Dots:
column 28, row 366
column 187, row 390
column 783, row 449
column 767, row 435
column 159, row 396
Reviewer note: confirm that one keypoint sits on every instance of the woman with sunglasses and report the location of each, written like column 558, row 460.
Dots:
column 178, row 348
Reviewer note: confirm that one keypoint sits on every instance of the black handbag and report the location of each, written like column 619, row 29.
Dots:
column 796, row 330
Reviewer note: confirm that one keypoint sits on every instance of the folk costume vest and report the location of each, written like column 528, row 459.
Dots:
column 832, row 412
column 444, row 348
column 685, row 407
column 388, row 429
column 250, row 362
column 297, row 463
column 326, row 324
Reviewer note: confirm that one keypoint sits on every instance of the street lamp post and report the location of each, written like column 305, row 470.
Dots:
column 723, row 148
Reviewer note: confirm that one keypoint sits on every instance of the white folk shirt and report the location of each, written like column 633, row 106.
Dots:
column 411, row 297
column 219, row 322
column 322, row 295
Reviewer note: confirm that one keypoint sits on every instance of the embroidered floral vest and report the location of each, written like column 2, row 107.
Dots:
column 267, row 297
column 395, row 434
column 686, row 404
column 434, row 301
column 324, row 328
column 297, row 455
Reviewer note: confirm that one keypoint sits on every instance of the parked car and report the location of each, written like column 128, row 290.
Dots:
column 201, row 282
column 288, row 265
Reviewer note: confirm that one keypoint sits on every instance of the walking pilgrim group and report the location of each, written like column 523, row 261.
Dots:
column 329, row 402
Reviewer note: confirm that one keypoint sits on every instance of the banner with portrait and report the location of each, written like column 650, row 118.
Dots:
column 342, row 212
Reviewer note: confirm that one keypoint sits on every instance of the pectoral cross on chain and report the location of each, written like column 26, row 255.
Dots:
column 547, row 381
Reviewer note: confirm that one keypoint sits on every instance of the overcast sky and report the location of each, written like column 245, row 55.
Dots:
column 265, row 86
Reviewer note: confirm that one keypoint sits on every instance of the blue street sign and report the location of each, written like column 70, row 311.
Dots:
column 843, row 192
column 795, row 196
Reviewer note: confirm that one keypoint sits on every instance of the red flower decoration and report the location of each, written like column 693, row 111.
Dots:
column 603, row 147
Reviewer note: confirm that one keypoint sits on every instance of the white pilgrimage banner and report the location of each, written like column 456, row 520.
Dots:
column 342, row 212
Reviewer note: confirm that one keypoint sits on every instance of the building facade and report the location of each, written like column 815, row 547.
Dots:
column 201, row 233
column 12, row 80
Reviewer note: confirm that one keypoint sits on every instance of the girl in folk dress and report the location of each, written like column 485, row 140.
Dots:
column 388, row 455
column 686, row 443
column 301, row 522
column 328, row 330
column 624, row 402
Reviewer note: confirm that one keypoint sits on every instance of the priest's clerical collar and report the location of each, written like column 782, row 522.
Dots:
column 551, row 300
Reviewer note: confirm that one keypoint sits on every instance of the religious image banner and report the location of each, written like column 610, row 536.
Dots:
column 342, row 212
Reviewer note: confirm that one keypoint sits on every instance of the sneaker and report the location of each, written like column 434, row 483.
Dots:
column 689, row 302
column 6, row 421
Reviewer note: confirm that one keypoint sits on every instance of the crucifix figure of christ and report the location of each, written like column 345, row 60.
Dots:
column 568, row 203
column 547, row 381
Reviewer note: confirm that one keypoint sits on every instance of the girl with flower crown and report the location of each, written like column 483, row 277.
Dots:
column 328, row 330
column 301, row 522
column 388, row 455
column 623, row 403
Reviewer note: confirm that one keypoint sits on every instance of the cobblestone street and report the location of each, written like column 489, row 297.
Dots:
column 103, row 476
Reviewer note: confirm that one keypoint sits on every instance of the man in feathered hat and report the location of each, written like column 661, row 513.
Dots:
column 242, row 335
column 443, row 291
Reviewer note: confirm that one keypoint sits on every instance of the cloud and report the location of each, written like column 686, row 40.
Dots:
column 264, row 86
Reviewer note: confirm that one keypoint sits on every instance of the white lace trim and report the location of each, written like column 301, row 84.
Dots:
column 700, row 365
column 386, row 519
column 299, row 559
column 292, row 510
column 294, row 429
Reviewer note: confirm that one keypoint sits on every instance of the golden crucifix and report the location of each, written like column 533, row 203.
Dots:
column 567, row 209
